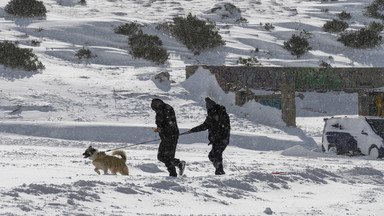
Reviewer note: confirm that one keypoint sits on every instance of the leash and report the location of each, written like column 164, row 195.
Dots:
column 232, row 164
column 133, row 145
column 140, row 143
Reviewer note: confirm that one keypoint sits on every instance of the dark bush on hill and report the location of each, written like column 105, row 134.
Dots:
column 344, row 15
column 148, row 47
column 298, row 45
column 196, row 34
column 335, row 26
column 375, row 9
column 366, row 37
column 127, row 29
column 15, row 57
column 26, row 8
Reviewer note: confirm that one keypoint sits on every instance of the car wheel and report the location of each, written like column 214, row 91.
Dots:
column 373, row 152
column 332, row 148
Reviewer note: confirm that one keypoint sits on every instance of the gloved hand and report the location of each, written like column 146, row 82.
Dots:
column 186, row 132
column 155, row 129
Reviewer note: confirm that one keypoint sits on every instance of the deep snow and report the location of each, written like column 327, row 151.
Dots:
column 47, row 119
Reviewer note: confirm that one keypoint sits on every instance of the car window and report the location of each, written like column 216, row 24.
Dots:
column 377, row 126
column 337, row 126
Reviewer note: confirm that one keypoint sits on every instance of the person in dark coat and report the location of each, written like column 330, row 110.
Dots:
column 218, row 125
column 169, row 135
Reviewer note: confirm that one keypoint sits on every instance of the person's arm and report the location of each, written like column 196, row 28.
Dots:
column 202, row 127
column 160, row 121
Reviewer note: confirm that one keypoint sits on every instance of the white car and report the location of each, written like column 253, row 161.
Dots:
column 354, row 135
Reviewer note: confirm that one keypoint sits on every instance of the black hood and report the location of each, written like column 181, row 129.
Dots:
column 156, row 104
column 210, row 104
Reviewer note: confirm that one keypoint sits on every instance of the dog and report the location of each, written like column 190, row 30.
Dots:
column 105, row 162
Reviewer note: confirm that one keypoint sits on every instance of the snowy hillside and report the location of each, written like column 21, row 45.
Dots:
column 48, row 119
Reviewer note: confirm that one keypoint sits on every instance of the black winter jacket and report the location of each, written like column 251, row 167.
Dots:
column 218, row 125
column 165, row 120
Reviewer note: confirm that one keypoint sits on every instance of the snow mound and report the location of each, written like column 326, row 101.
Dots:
column 225, row 11
column 299, row 151
column 149, row 167
column 202, row 84
column 365, row 171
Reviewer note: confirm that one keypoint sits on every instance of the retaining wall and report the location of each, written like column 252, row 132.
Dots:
column 288, row 80
column 232, row 78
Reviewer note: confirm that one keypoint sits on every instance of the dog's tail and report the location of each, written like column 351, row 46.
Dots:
column 121, row 153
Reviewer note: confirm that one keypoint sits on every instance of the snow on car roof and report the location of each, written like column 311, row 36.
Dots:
column 356, row 116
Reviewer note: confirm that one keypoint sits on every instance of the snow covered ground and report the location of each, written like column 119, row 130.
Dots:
column 48, row 119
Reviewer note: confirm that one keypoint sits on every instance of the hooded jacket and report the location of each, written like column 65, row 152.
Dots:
column 165, row 119
column 217, row 123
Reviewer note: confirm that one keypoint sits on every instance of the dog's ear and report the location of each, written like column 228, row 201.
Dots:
column 90, row 147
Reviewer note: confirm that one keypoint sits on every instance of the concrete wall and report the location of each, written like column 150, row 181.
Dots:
column 232, row 78
column 288, row 80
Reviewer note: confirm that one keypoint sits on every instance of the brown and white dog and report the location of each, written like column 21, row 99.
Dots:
column 105, row 162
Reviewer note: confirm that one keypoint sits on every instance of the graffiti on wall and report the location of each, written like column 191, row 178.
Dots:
column 272, row 100
column 379, row 104
column 310, row 78
column 264, row 78
column 275, row 103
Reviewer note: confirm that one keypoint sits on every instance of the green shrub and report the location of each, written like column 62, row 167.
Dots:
column 375, row 9
column 344, row 15
column 84, row 53
column 165, row 26
column 231, row 8
column 249, row 62
column 366, row 37
column 28, row 8
column 241, row 20
column 325, row 10
column 127, row 29
column 335, row 26
column 268, row 26
column 323, row 64
column 375, row 26
column 148, row 47
column 256, row 50
column 35, row 42
column 227, row 10
column 196, row 34
column 15, row 57
column 298, row 45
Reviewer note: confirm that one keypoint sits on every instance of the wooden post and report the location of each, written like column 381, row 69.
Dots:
column 288, row 104
column 364, row 104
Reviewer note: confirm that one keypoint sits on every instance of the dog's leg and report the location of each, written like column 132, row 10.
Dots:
column 105, row 171
column 97, row 171
column 125, row 171
column 113, row 171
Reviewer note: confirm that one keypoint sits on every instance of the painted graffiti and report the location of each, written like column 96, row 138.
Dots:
column 379, row 102
column 275, row 103
column 310, row 78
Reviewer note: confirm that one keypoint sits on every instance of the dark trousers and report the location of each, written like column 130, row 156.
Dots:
column 216, row 155
column 166, row 154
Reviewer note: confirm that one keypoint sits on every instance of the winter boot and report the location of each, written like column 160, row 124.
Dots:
column 181, row 167
column 172, row 172
column 219, row 169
